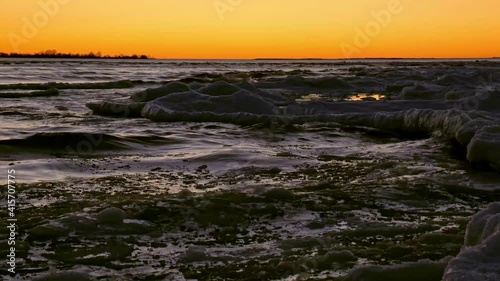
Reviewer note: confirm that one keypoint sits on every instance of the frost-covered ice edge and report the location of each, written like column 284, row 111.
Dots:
column 477, row 131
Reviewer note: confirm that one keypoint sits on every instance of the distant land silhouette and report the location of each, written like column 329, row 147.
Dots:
column 55, row 54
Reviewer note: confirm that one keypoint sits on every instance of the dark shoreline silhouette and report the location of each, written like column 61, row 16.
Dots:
column 53, row 54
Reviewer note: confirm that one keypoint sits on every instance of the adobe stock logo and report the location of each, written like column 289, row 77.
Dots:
column 224, row 6
column 364, row 36
column 31, row 25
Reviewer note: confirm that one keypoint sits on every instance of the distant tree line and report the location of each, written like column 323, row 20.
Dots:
column 55, row 54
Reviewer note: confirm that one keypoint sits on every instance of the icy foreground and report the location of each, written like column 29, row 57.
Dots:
column 456, row 105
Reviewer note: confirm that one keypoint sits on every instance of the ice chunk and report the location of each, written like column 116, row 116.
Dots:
column 152, row 94
column 194, row 106
column 479, row 260
column 194, row 254
column 112, row 216
column 483, row 225
column 219, row 88
column 485, row 146
column 423, row 92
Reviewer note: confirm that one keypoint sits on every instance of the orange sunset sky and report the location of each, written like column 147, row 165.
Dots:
column 230, row 29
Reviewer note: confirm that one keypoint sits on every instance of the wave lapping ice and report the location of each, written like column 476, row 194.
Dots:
column 246, row 104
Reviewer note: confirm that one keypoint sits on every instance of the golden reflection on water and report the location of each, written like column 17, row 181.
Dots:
column 355, row 97
column 366, row 97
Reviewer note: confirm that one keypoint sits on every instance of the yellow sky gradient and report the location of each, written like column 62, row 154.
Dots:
column 231, row 29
